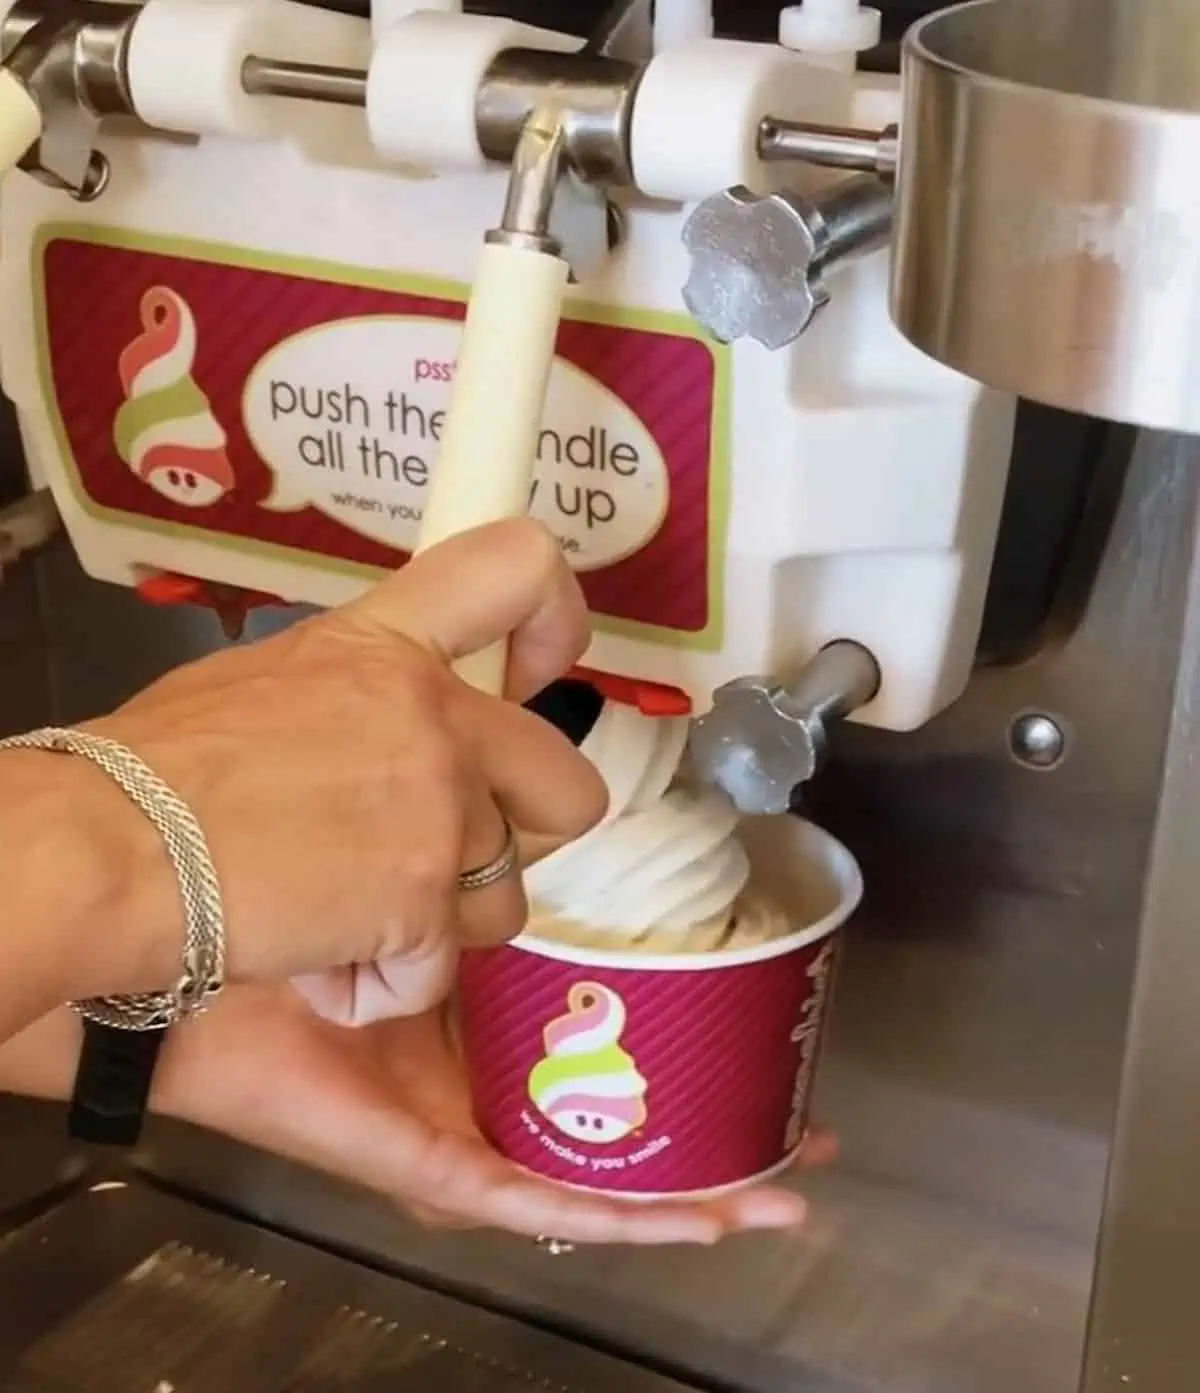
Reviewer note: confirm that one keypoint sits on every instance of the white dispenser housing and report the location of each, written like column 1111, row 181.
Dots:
column 233, row 366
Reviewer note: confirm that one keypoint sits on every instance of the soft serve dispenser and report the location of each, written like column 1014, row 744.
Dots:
column 239, row 397
column 746, row 327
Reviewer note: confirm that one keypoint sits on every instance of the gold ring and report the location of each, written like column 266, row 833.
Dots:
column 495, row 871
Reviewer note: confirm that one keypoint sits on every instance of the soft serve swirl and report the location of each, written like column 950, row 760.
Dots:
column 665, row 870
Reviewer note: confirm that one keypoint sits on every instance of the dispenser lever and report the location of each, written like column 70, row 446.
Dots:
column 484, row 470
column 485, row 467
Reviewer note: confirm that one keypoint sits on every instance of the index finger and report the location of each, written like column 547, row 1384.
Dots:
column 477, row 589
column 548, row 790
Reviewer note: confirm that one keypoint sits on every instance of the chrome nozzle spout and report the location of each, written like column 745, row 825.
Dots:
column 763, row 739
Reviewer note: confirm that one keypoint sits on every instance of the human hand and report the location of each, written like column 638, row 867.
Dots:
column 388, row 1108
column 344, row 777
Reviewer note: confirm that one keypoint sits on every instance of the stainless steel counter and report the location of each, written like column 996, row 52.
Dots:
column 121, row 1288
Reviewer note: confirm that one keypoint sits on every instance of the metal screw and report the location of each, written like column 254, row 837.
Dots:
column 1038, row 741
column 96, row 179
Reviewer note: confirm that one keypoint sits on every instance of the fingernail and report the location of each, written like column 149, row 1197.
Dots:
column 773, row 1211
column 703, row 1234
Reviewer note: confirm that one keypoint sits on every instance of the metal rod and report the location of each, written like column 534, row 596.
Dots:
column 856, row 217
column 539, row 162
column 840, row 679
column 831, row 147
column 266, row 77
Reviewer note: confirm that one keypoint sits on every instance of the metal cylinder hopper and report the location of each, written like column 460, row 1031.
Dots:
column 1048, row 222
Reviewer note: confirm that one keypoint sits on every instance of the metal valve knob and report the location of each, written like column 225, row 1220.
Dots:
column 762, row 739
column 759, row 262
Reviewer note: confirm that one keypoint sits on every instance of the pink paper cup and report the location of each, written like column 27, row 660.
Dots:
column 657, row 1076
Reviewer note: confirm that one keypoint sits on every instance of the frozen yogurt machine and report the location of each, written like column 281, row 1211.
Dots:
column 883, row 327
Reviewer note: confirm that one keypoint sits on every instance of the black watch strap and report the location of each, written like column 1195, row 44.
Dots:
column 112, row 1084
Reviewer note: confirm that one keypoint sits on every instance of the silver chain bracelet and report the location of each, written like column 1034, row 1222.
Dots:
column 204, row 920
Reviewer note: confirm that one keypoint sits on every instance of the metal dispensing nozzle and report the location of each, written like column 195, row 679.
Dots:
column 764, row 738
column 553, row 117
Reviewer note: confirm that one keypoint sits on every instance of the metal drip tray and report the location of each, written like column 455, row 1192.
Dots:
column 125, row 1290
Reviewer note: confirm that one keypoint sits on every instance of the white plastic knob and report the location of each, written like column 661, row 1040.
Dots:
column 830, row 28
column 697, row 115
column 425, row 72
column 20, row 122
column 485, row 465
column 385, row 13
column 679, row 22
column 185, row 65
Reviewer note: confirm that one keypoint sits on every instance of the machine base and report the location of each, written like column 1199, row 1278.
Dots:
column 124, row 1287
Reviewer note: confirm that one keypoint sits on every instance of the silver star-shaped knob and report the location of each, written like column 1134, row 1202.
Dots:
column 752, row 273
column 762, row 740
column 758, row 262
column 753, row 748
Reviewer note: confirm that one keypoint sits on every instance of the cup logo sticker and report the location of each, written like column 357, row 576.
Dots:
column 587, row 1085
column 165, row 430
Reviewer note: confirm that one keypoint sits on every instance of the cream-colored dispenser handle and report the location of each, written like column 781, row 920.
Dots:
column 20, row 122
column 485, row 466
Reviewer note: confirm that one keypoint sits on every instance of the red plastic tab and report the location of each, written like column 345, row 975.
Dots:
column 169, row 589
column 650, row 698
column 229, row 603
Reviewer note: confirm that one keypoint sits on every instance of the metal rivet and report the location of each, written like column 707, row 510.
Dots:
column 556, row 1247
column 1037, row 740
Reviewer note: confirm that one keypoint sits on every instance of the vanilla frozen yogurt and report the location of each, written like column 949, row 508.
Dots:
column 665, row 871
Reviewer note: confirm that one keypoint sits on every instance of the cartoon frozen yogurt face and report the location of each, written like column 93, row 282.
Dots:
column 165, row 430
column 587, row 1085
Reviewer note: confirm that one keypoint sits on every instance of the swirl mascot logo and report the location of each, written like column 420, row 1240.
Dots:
column 587, row 1085
column 165, row 430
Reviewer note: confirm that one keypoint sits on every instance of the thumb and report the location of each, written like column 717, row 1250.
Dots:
column 367, row 993
column 477, row 589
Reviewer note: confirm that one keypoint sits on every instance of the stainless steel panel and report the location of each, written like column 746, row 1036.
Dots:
column 1048, row 226
column 1145, row 1335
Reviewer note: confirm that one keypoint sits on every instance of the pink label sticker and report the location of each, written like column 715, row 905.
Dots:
column 295, row 408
